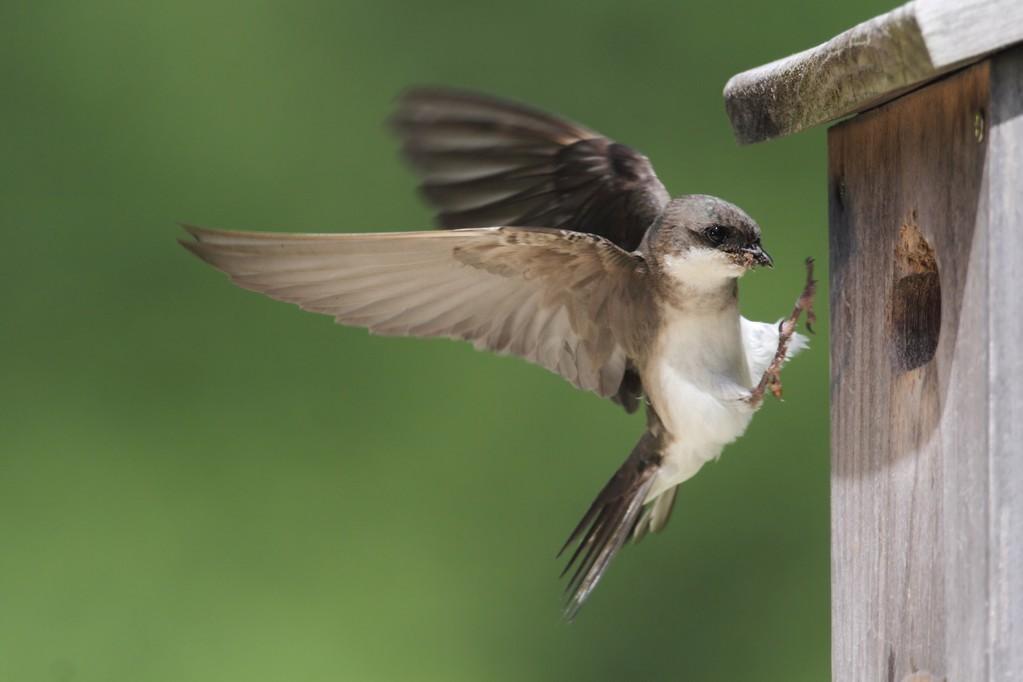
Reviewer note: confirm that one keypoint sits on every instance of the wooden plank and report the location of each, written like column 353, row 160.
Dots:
column 867, row 65
column 1005, row 326
column 959, row 30
column 850, row 72
column 910, row 476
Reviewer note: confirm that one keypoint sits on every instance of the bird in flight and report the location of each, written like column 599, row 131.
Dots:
column 561, row 246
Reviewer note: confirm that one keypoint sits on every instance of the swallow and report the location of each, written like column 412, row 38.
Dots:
column 562, row 247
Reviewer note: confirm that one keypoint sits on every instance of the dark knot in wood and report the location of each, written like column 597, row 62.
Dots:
column 916, row 300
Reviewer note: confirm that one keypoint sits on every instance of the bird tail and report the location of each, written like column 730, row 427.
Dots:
column 655, row 515
column 610, row 521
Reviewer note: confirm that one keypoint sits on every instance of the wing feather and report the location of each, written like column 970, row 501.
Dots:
column 568, row 301
column 489, row 161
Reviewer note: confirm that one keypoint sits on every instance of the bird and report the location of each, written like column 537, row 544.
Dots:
column 562, row 247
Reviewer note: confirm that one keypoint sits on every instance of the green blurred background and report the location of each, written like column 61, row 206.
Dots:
column 197, row 483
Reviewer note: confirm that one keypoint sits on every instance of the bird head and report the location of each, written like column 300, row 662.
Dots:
column 703, row 238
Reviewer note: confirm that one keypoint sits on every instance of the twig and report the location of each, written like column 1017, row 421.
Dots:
column 771, row 380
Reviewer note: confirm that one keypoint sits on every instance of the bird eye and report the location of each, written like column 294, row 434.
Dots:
column 716, row 234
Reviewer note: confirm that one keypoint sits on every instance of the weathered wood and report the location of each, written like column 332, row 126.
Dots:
column 927, row 482
column 867, row 65
column 1005, row 363
column 959, row 30
column 914, row 167
column 848, row 73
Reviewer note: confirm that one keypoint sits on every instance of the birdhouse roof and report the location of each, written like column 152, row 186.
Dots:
column 868, row 65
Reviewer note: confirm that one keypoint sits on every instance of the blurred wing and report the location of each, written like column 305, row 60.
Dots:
column 563, row 300
column 486, row 161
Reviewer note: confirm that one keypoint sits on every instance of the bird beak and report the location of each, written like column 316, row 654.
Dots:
column 759, row 256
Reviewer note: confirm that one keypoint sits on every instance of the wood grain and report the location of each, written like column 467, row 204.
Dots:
column 910, row 471
column 1004, row 192
column 851, row 72
column 959, row 30
column 867, row 65
column 927, row 459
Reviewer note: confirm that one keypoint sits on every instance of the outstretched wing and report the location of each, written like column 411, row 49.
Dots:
column 487, row 161
column 564, row 300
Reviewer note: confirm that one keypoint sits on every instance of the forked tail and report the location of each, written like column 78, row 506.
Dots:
column 611, row 519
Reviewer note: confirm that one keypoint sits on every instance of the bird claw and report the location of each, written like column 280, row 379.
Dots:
column 770, row 382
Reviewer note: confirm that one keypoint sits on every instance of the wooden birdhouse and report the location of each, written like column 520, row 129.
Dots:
column 925, row 184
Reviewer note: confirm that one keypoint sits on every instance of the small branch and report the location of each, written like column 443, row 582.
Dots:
column 771, row 380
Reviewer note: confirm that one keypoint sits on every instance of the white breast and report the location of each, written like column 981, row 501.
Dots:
column 703, row 367
column 696, row 380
